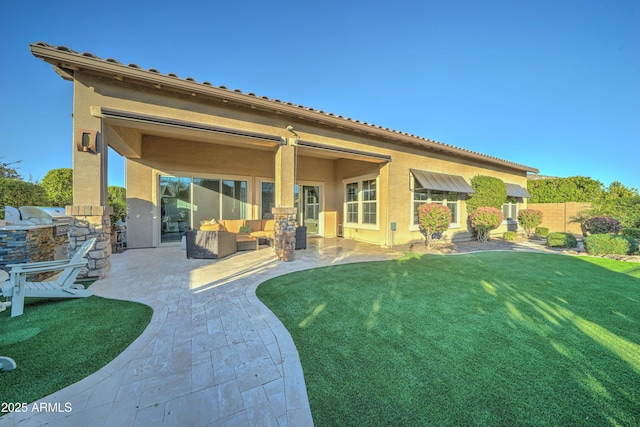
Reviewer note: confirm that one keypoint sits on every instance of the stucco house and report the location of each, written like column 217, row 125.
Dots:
column 195, row 151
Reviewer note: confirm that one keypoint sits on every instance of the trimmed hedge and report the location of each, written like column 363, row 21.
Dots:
column 634, row 233
column 510, row 236
column 561, row 240
column 610, row 244
column 541, row 231
column 488, row 191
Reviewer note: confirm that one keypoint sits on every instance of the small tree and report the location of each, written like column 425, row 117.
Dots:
column 7, row 171
column 433, row 218
column 58, row 183
column 117, row 199
column 485, row 219
column 529, row 219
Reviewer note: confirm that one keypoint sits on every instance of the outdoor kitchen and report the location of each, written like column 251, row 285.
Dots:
column 33, row 234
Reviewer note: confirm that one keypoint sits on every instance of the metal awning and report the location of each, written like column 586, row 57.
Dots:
column 514, row 190
column 442, row 181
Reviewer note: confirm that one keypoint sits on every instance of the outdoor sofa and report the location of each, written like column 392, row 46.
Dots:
column 262, row 229
column 219, row 238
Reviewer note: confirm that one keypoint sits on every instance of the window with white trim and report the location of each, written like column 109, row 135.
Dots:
column 446, row 198
column 510, row 209
column 361, row 201
column 351, row 214
column 369, row 202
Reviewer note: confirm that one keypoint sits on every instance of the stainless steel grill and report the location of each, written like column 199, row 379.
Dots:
column 38, row 215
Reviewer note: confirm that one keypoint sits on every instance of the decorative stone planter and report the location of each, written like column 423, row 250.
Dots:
column 285, row 232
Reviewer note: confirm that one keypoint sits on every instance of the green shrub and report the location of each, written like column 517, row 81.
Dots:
column 610, row 244
column 510, row 236
column 433, row 218
column 488, row 191
column 117, row 199
column 529, row 219
column 634, row 233
column 484, row 219
column 16, row 193
column 541, row 231
column 561, row 240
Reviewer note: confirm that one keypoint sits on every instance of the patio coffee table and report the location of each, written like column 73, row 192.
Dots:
column 246, row 243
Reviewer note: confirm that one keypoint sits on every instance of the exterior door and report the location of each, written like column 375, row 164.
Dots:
column 311, row 208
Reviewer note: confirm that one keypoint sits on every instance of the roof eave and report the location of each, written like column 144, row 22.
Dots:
column 68, row 61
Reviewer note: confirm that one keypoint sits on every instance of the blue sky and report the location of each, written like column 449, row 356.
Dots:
column 550, row 84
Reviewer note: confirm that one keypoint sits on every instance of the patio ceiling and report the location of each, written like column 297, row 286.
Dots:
column 129, row 128
column 316, row 149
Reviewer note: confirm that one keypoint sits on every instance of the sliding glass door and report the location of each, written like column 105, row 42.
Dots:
column 186, row 201
column 175, row 207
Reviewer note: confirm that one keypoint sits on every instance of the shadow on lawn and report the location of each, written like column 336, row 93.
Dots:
column 482, row 338
column 557, row 323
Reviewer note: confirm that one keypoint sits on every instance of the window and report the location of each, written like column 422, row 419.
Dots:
column 510, row 209
column 352, row 202
column 369, row 203
column 361, row 201
column 447, row 198
column 268, row 200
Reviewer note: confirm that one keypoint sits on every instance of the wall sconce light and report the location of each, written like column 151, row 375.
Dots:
column 86, row 140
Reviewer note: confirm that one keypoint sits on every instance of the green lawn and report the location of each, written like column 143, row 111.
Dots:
column 57, row 342
column 494, row 338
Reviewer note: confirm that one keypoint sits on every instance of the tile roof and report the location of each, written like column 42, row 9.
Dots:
column 320, row 115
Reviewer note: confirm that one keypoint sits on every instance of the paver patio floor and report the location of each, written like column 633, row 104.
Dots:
column 213, row 354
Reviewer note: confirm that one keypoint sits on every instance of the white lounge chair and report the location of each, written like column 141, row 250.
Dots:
column 7, row 364
column 17, row 287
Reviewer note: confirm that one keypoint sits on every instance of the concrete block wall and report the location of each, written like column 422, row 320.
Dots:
column 557, row 216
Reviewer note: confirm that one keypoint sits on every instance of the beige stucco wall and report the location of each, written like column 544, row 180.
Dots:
column 164, row 150
column 141, row 205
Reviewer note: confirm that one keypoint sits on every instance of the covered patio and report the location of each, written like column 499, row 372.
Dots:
column 213, row 354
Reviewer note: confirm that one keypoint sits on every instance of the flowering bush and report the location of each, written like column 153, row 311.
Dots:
column 433, row 218
column 601, row 225
column 529, row 219
column 484, row 219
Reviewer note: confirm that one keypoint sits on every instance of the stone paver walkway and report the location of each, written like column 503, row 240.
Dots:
column 213, row 354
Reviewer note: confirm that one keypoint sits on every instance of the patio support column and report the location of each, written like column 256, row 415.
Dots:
column 88, row 222
column 285, row 174
column 90, row 209
column 285, row 211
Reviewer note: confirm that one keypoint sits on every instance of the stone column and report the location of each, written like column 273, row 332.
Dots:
column 88, row 222
column 285, row 232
